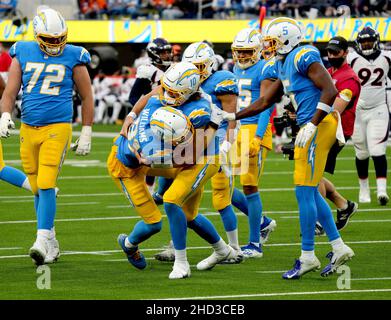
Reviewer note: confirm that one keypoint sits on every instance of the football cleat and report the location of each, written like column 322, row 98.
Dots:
column 300, row 268
column 39, row 250
column 135, row 257
column 180, row 270
column 382, row 198
column 364, row 195
column 343, row 216
column 267, row 227
column 337, row 258
column 54, row 251
column 216, row 257
column 157, row 198
column 251, row 251
column 236, row 259
column 168, row 254
column 319, row 231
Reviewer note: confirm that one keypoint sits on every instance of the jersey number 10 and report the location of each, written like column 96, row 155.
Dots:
column 58, row 71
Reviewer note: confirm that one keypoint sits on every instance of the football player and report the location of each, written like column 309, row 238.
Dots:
column 255, row 136
column 7, row 173
column 180, row 86
column 303, row 77
column 148, row 76
column 371, row 126
column 47, row 69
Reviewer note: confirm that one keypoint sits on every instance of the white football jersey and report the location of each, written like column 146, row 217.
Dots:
column 150, row 72
column 373, row 77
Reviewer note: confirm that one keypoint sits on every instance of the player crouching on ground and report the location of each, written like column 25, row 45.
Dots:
column 155, row 146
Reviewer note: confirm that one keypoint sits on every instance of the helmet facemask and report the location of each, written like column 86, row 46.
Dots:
column 245, row 57
column 52, row 45
column 270, row 45
column 367, row 45
column 170, row 97
column 205, row 69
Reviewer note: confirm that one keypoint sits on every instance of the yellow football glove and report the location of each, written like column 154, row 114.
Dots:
column 255, row 146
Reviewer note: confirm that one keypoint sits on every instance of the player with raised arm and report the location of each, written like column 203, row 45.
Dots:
column 303, row 77
column 47, row 69
column 371, row 126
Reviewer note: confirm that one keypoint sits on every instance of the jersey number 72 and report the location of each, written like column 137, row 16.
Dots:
column 58, row 71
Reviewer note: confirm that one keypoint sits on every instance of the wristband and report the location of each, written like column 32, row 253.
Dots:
column 133, row 115
column 324, row 107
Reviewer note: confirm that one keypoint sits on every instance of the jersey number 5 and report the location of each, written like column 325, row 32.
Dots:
column 58, row 71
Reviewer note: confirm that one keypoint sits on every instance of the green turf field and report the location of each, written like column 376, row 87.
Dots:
column 91, row 212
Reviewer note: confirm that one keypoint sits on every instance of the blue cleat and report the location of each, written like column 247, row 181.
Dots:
column 157, row 198
column 251, row 251
column 135, row 257
column 267, row 227
column 337, row 259
column 300, row 268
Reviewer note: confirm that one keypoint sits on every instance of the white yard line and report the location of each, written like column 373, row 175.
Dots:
column 279, row 294
column 107, row 252
column 11, row 248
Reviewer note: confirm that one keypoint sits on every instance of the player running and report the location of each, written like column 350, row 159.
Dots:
column 47, row 69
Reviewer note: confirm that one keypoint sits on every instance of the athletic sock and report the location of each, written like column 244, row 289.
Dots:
column 362, row 168
column 178, row 225
column 13, row 176
column 180, row 256
column 229, row 218
column 337, row 244
column 204, row 228
column 364, row 183
column 142, row 231
column 325, row 216
column 254, row 215
column 381, row 185
column 220, row 247
column 380, row 164
column 307, row 255
column 46, row 208
column 239, row 201
column 307, row 212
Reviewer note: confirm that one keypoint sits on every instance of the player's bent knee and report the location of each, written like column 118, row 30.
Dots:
column 155, row 227
column 45, row 182
column 362, row 154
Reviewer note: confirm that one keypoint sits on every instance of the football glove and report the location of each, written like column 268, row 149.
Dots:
column 6, row 124
column 255, row 146
column 216, row 115
column 224, row 160
column 228, row 116
column 82, row 146
column 305, row 134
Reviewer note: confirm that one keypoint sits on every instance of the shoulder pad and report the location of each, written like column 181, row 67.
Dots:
column 145, row 71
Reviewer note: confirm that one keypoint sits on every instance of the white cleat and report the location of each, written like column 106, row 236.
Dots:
column 180, row 270
column 238, row 257
column 216, row 257
column 302, row 267
column 39, row 251
column 337, row 259
column 266, row 231
column 53, row 252
column 364, row 196
column 168, row 254
column 382, row 198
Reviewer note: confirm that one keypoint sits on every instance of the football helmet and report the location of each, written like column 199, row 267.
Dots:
column 368, row 41
column 171, row 125
column 50, row 31
column 179, row 83
column 246, row 48
column 160, row 52
column 281, row 36
column 202, row 56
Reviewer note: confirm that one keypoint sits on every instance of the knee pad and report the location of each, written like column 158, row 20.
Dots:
column 361, row 154
column 46, row 181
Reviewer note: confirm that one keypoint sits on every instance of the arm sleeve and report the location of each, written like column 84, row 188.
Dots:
column 141, row 87
column 263, row 122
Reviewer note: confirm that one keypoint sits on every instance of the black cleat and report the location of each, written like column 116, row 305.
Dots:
column 343, row 216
